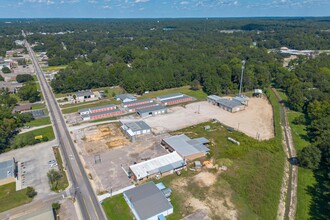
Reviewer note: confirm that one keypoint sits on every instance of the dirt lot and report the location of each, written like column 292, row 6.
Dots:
column 116, row 152
column 203, row 198
column 255, row 120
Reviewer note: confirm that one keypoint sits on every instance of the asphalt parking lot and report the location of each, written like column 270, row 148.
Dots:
column 34, row 168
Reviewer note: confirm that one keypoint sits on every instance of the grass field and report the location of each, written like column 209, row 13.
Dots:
column 56, row 68
column 256, row 174
column 45, row 132
column 63, row 181
column 306, row 177
column 117, row 208
column 38, row 106
column 107, row 90
column 10, row 198
column 199, row 94
column 39, row 122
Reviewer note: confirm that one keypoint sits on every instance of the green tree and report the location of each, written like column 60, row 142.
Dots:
column 30, row 192
column 21, row 78
column 54, row 176
column 5, row 70
column 309, row 157
column 29, row 92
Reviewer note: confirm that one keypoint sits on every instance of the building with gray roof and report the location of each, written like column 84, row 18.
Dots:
column 187, row 148
column 173, row 99
column 12, row 87
column 147, row 201
column 136, row 107
column 152, row 111
column 7, row 172
column 136, row 103
column 103, row 108
column 134, row 129
column 231, row 105
column 82, row 96
column 125, row 98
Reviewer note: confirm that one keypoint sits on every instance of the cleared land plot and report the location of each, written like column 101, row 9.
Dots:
column 35, row 160
column 10, row 198
column 109, row 144
column 38, row 106
column 249, row 189
column 45, row 132
column 256, row 119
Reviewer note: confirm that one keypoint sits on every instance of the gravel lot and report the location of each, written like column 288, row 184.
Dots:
column 257, row 118
column 109, row 173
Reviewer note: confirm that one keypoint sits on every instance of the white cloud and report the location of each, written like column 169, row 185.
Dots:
column 184, row 3
column 141, row 1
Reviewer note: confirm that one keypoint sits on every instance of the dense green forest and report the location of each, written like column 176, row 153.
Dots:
column 308, row 90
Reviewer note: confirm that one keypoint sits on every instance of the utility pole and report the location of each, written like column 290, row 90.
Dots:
column 241, row 81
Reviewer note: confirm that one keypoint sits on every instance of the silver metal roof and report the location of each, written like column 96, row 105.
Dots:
column 151, row 109
column 229, row 103
column 186, row 146
column 142, row 105
column 7, row 169
column 147, row 200
column 170, row 96
column 96, row 108
column 176, row 98
column 157, row 165
column 137, row 126
column 100, row 113
column 138, row 101
column 125, row 96
column 84, row 93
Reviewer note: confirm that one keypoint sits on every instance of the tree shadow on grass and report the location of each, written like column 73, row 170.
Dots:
column 319, row 209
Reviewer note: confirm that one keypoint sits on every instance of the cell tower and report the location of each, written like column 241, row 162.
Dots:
column 241, row 81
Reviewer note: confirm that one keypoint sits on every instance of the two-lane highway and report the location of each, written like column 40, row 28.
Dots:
column 84, row 194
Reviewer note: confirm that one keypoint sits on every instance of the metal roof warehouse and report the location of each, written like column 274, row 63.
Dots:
column 158, row 165
column 186, row 147
column 147, row 201
column 154, row 110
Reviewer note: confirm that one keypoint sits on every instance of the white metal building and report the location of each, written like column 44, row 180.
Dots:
column 157, row 166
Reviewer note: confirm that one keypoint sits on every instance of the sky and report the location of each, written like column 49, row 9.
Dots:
column 161, row 8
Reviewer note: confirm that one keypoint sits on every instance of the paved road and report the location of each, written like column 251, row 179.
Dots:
column 88, row 203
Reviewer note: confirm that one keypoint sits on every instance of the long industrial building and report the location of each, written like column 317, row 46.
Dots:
column 157, row 166
column 175, row 98
column 136, row 103
column 151, row 111
column 187, row 148
column 142, row 106
column 232, row 105
column 104, row 114
column 104, row 108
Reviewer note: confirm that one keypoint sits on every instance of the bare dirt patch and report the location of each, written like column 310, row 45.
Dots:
column 205, row 179
column 215, row 205
column 99, row 138
column 255, row 121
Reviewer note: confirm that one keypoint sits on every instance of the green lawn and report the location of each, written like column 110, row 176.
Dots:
column 306, row 177
column 39, row 122
column 46, row 132
column 10, row 198
column 38, row 106
column 117, row 208
column 199, row 94
column 56, row 68
column 28, row 138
